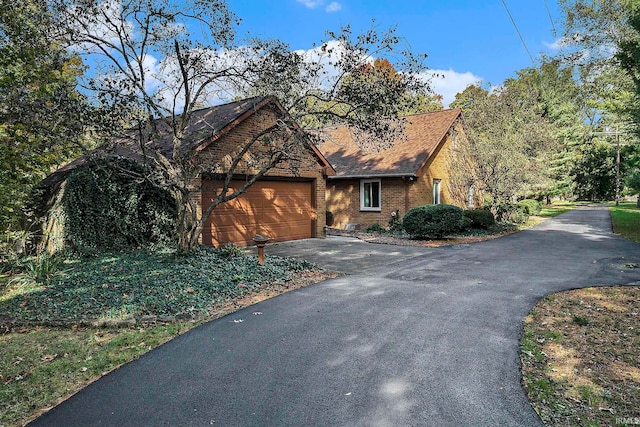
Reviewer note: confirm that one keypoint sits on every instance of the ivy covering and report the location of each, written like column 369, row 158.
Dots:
column 106, row 208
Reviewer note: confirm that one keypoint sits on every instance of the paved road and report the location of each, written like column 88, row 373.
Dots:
column 426, row 337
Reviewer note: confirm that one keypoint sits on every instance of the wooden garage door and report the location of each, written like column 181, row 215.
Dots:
column 280, row 210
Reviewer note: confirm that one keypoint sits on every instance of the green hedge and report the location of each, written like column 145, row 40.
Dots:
column 433, row 221
column 531, row 206
column 106, row 209
column 480, row 218
column 512, row 213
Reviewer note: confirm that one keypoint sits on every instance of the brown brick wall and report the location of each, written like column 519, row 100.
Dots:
column 217, row 157
column 343, row 195
column 421, row 192
column 343, row 200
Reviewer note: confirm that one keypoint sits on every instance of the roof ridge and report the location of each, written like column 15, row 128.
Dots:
column 258, row 97
column 446, row 110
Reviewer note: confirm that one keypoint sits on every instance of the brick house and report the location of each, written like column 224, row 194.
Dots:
column 287, row 203
column 370, row 188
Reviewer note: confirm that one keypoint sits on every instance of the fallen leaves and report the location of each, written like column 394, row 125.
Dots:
column 48, row 358
column 580, row 356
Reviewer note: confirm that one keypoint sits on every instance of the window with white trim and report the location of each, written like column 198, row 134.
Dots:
column 470, row 197
column 370, row 195
column 436, row 191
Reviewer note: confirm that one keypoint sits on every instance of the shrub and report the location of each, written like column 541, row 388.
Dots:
column 396, row 227
column 375, row 228
column 106, row 209
column 480, row 218
column 433, row 221
column 512, row 213
column 466, row 223
column 531, row 206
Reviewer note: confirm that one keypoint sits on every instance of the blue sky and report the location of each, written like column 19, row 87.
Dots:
column 466, row 40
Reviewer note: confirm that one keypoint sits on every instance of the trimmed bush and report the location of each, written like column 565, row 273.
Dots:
column 531, row 206
column 466, row 223
column 433, row 221
column 375, row 228
column 480, row 218
column 512, row 213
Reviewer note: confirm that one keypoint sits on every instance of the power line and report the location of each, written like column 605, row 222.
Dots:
column 518, row 31
column 553, row 27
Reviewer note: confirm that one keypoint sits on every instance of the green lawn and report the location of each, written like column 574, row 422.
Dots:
column 556, row 209
column 41, row 366
column 626, row 221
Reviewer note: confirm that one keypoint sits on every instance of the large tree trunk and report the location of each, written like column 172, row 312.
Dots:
column 189, row 227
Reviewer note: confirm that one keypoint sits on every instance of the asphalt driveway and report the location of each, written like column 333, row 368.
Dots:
column 411, row 337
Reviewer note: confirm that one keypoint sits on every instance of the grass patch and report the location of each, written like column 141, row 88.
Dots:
column 626, row 221
column 548, row 211
column 579, row 353
column 40, row 366
column 556, row 208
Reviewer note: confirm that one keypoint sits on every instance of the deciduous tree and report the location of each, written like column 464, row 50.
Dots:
column 42, row 115
column 155, row 62
column 507, row 140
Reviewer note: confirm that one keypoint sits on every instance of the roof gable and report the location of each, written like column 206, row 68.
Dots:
column 206, row 126
column 423, row 134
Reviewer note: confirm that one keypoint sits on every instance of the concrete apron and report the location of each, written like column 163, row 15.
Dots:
column 345, row 254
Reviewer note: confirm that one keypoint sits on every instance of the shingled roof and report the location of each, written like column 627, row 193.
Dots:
column 210, row 123
column 205, row 127
column 423, row 134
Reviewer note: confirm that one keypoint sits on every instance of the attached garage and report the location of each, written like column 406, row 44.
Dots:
column 278, row 209
column 240, row 139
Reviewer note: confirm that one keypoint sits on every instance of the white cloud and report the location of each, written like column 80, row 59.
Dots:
column 333, row 7
column 101, row 21
column 311, row 4
column 448, row 83
column 561, row 42
column 324, row 58
column 553, row 46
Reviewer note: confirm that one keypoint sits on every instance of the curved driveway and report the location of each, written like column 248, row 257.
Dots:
column 412, row 337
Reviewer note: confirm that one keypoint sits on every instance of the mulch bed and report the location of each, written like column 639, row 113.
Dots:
column 389, row 239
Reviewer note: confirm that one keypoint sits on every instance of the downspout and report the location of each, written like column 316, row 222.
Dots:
column 407, row 182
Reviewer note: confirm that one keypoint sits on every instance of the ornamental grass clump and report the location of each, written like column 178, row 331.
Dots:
column 433, row 221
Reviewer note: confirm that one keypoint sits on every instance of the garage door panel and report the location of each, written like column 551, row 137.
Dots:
column 280, row 210
column 233, row 220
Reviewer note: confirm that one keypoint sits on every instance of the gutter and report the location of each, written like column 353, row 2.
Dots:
column 379, row 175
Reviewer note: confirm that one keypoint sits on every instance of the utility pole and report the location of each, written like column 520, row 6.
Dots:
column 617, row 168
column 617, row 133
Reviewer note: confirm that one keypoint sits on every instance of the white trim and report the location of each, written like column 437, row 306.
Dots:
column 378, row 175
column 362, row 195
column 437, row 191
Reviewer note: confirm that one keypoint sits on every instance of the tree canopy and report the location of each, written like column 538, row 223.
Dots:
column 43, row 116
